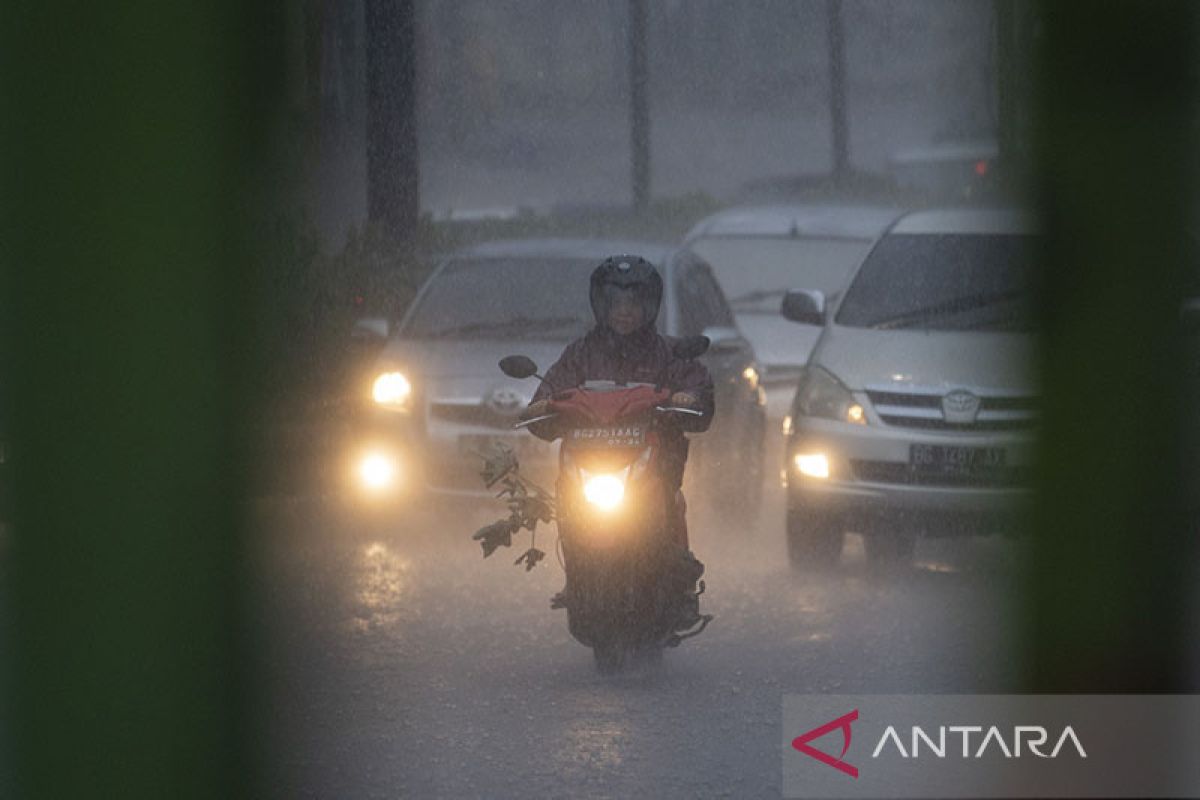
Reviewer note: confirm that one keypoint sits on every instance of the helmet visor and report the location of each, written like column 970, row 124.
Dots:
column 626, row 306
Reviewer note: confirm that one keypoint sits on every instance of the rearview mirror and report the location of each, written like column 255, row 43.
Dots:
column 806, row 306
column 690, row 347
column 519, row 367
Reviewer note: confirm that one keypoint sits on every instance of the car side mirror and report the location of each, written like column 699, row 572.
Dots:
column 370, row 328
column 806, row 306
column 690, row 347
column 519, row 367
column 724, row 339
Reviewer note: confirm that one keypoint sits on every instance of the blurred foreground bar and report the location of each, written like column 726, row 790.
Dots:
column 1114, row 173
column 129, row 134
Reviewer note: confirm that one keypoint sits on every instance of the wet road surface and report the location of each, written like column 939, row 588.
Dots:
column 400, row 663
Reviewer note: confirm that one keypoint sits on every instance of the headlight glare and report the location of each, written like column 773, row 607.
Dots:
column 377, row 471
column 604, row 491
column 392, row 389
column 814, row 465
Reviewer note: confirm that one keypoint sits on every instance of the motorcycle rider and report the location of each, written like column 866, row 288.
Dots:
column 624, row 346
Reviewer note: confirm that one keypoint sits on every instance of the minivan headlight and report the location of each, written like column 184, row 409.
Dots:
column 824, row 396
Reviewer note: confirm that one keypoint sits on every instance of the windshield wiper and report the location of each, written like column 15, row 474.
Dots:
column 501, row 327
column 955, row 306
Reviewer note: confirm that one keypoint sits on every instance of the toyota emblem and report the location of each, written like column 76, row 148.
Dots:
column 505, row 401
column 960, row 407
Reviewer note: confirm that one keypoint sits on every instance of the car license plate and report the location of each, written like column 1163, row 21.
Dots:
column 527, row 447
column 952, row 460
column 615, row 436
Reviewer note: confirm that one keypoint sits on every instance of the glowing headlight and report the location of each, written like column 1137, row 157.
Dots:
column 814, row 465
column 392, row 389
column 822, row 395
column 604, row 491
column 377, row 471
column 750, row 374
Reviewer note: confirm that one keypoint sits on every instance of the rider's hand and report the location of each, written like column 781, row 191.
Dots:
column 684, row 400
column 538, row 409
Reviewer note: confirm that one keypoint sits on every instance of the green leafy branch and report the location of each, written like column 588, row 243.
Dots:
column 528, row 504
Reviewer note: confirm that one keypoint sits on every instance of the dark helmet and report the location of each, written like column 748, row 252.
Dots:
column 626, row 274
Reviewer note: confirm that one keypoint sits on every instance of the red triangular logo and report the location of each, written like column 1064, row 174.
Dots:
column 801, row 743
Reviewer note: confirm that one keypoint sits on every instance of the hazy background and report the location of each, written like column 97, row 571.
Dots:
column 514, row 92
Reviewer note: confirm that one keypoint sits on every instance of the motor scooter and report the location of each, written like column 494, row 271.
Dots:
column 631, row 588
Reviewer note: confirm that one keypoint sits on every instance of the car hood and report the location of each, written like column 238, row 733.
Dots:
column 463, row 368
column 780, row 347
column 861, row 357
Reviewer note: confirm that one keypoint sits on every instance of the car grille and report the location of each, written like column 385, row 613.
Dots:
column 471, row 414
column 899, row 473
column 923, row 410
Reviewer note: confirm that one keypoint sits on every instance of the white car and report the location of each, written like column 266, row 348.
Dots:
column 917, row 408
column 759, row 252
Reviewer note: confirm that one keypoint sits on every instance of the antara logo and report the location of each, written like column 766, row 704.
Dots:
column 1034, row 737
column 801, row 743
column 1024, row 739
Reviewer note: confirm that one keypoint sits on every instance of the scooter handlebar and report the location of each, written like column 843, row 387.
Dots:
column 679, row 410
column 527, row 422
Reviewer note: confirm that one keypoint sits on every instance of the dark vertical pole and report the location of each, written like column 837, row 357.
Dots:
column 314, row 47
column 393, row 200
column 639, row 112
column 839, row 132
column 1108, row 606
column 1013, row 74
column 129, row 138
column 452, row 76
column 1004, row 69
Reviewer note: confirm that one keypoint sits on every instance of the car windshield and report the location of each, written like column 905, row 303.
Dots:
column 514, row 298
column 756, row 271
column 944, row 282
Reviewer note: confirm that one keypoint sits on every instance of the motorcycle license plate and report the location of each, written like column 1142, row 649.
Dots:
column 614, row 436
column 951, row 460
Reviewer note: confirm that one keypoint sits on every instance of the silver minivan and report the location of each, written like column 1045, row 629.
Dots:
column 916, row 411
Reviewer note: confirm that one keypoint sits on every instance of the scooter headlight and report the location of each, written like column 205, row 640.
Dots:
column 604, row 491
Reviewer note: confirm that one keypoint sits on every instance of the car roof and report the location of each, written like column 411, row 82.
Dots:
column 590, row 249
column 967, row 220
column 801, row 219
